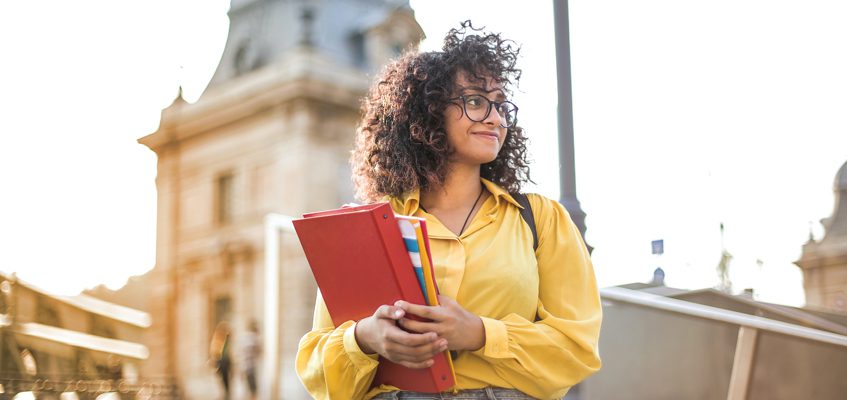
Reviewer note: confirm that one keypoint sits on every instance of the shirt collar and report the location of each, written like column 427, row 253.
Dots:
column 409, row 203
column 499, row 193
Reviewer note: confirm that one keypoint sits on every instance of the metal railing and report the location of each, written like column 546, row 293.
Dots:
column 84, row 389
column 749, row 327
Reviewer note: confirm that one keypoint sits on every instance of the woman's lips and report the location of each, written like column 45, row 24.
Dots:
column 488, row 135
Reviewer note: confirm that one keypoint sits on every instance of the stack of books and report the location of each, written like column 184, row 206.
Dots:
column 363, row 257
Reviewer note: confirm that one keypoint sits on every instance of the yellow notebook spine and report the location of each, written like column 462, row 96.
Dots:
column 432, row 299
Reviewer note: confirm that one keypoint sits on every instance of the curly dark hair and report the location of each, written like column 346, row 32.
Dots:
column 401, row 142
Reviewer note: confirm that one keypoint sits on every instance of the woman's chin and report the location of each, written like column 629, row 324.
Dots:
column 477, row 158
column 485, row 160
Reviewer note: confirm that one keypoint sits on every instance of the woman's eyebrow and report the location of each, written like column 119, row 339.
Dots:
column 500, row 94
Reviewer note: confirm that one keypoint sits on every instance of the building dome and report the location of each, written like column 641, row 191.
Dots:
column 836, row 225
column 824, row 262
column 841, row 179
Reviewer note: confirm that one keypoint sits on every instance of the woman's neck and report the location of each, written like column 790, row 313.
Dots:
column 461, row 187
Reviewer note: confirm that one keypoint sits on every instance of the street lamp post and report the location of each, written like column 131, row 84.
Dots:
column 567, row 175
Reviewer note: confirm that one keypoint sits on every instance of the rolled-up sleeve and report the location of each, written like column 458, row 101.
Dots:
column 545, row 357
column 329, row 361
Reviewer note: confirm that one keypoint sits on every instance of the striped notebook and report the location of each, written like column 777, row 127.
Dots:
column 411, row 229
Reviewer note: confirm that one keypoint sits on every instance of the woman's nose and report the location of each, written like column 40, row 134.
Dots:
column 493, row 117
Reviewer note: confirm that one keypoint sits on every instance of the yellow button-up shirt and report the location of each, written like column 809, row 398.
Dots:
column 541, row 311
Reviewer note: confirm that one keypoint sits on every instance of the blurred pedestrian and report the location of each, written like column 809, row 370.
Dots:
column 251, row 349
column 219, row 354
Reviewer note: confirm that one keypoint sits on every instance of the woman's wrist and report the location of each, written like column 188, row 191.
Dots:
column 359, row 334
column 479, row 336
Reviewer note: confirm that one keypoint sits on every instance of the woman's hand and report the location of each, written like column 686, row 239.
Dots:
column 379, row 334
column 462, row 328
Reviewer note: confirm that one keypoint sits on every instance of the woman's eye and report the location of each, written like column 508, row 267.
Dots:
column 473, row 101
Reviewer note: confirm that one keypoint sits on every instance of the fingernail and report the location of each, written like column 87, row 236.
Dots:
column 398, row 313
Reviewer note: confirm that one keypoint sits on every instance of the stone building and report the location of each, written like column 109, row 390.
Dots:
column 271, row 134
column 824, row 262
column 51, row 344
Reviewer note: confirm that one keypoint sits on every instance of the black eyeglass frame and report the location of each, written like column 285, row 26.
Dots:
column 491, row 105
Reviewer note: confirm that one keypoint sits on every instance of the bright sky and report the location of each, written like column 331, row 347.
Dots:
column 687, row 114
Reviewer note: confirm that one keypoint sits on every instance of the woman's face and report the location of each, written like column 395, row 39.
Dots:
column 474, row 143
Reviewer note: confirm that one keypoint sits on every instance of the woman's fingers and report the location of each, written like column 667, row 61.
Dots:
column 389, row 312
column 398, row 352
column 428, row 312
column 399, row 345
column 407, row 339
column 419, row 326
column 462, row 329
column 422, row 364
column 413, row 354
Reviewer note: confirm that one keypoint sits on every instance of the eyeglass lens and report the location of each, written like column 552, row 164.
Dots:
column 478, row 108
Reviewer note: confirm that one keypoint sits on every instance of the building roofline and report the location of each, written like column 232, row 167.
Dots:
column 84, row 302
column 301, row 74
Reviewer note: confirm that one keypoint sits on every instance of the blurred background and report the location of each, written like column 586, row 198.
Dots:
column 146, row 143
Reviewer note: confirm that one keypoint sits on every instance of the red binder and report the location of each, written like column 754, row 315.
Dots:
column 360, row 262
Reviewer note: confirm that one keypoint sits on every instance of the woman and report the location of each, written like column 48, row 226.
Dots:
column 439, row 140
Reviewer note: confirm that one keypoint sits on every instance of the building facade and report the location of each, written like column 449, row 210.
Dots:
column 271, row 135
column 824, row 262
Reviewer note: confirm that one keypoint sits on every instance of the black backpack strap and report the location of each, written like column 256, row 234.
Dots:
column 526, row 214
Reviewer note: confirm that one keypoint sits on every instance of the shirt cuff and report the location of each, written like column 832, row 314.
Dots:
column 496, row 339
column 357, row 356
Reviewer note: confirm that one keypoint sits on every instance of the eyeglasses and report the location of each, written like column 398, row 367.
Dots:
column 477, row 107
